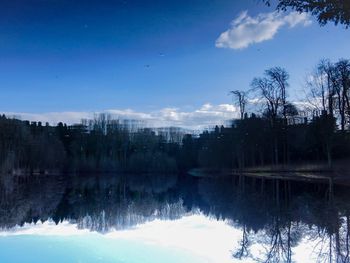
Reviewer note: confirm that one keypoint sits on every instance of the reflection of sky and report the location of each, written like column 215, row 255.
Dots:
column 192, row 239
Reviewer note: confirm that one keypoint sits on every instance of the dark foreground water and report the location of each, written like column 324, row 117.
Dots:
column 172, row 218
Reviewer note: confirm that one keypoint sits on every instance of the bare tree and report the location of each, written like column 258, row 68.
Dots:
column 279, row 79
column 317, row 95
column 328, row 70
column 273, row 89
column 240, row 99
column 342, row 87
column 270, row 94
column 330, row 85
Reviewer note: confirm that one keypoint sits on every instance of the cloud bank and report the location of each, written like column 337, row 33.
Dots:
column 205, row 116
column 246, row 30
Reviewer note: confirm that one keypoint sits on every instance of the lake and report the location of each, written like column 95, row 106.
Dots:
column 172, row 218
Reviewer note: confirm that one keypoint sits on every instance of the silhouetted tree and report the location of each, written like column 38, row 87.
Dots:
column 240, row 99
column 337, row 11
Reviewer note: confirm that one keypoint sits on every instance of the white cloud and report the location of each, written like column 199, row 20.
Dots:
column 246, row 30
column 205, row 116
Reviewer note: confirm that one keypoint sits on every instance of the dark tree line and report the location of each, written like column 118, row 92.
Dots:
column 102, row 144
column 29, row 145
column 276, row 132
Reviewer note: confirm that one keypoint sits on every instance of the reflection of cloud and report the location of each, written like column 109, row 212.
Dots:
column 205, row 116
column 206, row 240
column 202, row 238
column 246, row 30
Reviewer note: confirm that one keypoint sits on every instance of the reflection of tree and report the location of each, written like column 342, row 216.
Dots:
column 243, row 250
column 96, row 203
column 332, row 233
column 156, row 183
column 278, row 216
column 126, row 202
column 29, row 201
column 280, row 249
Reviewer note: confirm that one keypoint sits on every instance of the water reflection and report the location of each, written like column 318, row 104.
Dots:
column 269, row 220
column 183, row 240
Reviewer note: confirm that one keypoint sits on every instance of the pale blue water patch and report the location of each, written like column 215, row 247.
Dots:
column 191, row 239
column 89, row 248
column 194, row 238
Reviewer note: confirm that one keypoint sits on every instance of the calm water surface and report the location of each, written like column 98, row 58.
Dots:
column 172, row 218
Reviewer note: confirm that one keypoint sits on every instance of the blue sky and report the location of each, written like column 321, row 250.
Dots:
column 147, row 57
